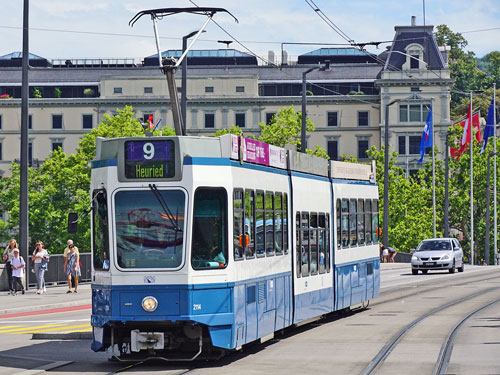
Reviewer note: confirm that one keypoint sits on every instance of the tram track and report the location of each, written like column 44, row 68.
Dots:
column 443, row 359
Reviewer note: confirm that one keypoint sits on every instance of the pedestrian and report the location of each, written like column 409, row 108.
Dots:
column 40, row 254
column 8, row 254
column 17, row 264
column 392, row 254
column 384, row 252
column 73, row 267
column 66, row 251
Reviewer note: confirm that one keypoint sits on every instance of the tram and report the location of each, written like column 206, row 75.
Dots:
column 202, row 245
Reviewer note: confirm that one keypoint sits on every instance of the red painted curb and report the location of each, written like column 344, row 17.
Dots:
column 47, row 311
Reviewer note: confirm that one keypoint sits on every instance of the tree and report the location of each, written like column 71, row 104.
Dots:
column 62, row 185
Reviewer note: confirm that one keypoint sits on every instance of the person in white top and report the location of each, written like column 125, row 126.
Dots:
column 8, row 254
column 17, row 264
column 38, row 255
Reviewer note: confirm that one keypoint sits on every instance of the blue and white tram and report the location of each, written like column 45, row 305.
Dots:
column 202, row 245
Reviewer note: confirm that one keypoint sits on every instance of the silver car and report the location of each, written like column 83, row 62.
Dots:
column 438, row 254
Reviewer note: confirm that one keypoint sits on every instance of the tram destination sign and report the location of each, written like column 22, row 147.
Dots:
column 149, row 159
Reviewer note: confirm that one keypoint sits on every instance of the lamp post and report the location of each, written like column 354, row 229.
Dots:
column 385, row 230
column 304, row 113
column 446, row 183
column 487, row 241
column 184, row 77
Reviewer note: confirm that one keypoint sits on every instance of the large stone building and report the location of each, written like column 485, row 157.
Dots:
column 228, row 87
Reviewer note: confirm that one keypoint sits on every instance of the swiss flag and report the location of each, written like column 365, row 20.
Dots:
column 465, row 140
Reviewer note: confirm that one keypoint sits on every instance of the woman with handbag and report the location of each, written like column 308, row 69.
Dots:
column 73, row 267
column 40, row 254
column 8, row 254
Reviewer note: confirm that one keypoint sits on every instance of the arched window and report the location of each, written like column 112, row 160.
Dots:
column 414, row 57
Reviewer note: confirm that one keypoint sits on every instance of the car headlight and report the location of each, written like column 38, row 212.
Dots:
column 445, row 257
column 415, row 258
column 149, row 304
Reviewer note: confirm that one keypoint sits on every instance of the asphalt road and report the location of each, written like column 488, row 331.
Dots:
column 335, row 345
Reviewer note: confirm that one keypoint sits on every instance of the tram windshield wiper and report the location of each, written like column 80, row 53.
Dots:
column 164, row 205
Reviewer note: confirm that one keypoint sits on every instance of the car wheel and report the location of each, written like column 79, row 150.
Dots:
column 414, row 272
column 452, row 269
column 424, row 272
column 461, row 269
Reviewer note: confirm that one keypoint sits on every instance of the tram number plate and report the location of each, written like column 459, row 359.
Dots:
column 429, row 263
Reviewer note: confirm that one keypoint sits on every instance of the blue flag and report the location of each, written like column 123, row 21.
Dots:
column 489, row 129
column 426, row 140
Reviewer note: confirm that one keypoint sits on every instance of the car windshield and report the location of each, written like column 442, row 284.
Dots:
column 434, row 245
column 146, row 236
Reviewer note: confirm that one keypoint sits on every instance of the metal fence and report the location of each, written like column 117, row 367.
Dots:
column 56, row 274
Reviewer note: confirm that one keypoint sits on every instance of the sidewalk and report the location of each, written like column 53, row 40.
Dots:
column 55, row 297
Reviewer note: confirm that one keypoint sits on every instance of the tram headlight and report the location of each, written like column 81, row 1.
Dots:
column 149, row 304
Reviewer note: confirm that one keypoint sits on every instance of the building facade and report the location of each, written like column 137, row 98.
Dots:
column 347, row 94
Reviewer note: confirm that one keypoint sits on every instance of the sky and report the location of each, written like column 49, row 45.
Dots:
column 62, row 29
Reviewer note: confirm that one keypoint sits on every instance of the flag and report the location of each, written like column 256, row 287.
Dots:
column 150, row 119
column 426, row 140
column 457, row 152
column 489, row 129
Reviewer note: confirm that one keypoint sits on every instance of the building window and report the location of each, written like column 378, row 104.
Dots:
column 0, row 121
column 209, row 89
column 87, row 121
column 333, row 150
column 148, row 90
column 414, row 63
column 333, row 119
column 239, row 120
column 57, row 143
column 402, row 145
column 30, row 121
column 240, row 88
column 363, row 118
column 117, row 90
column 57, row 121
column 1, row 154
column 269, row 117
column 414, row 144
column 30, row 153
column 210, row 120
column 362, row 148
column 413, row 112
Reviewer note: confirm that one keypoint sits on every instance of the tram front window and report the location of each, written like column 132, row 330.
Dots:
column 149, row 228
column 209, row 242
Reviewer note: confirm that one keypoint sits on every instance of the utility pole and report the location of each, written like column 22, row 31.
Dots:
column 23, row 191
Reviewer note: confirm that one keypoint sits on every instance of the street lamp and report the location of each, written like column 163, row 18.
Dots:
column 487, row 241
column 385, row 229
column 184, row 77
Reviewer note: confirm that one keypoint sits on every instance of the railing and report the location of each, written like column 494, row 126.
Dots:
column 56, row 274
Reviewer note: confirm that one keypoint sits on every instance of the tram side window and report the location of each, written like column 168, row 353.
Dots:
column 313, row 242
column 352, row 222
column 345, row 223
column 327, row 242
column 339, row 226
column 375, row 221
column 304, row 240
column 259, row 224
column 361, row 222
column 322, row 244
column 250, row 223
column 269, row 224
column 278, row 223
column 239, row 235
column 209, row 242
column 285, row 223
column 368, row 221
column 100, row 230
column 299, row 244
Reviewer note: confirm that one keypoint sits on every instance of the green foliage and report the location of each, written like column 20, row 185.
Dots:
column 284, row 128
column 57, row 92
column 62, row 185
column 37, row 93
column 318, row 151
column 236, row 130
column 88, row 92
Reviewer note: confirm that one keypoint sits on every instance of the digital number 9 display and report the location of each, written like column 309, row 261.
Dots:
column 149, row 159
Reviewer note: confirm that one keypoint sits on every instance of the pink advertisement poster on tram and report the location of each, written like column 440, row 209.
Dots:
column 255, row 151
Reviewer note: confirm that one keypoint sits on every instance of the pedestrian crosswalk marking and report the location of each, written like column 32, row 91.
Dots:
column 6, row 327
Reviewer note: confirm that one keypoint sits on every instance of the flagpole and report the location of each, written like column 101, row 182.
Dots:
column 433, row 175
column 495, row 249
column 471, row 186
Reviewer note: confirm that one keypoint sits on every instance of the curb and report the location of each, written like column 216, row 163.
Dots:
column 62, row 336
column 44, row 307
